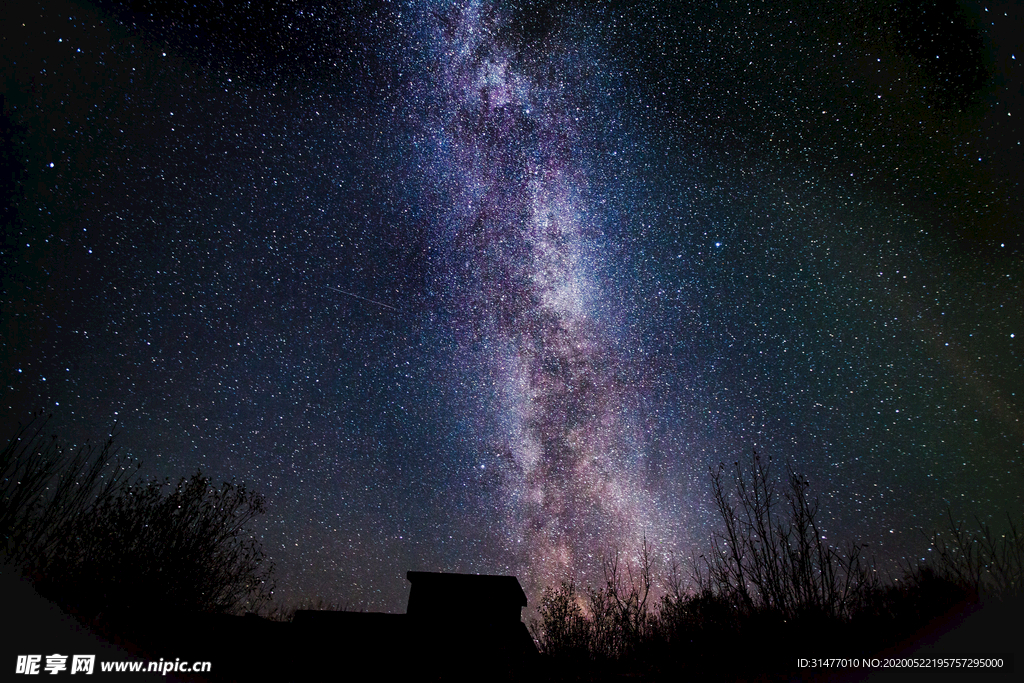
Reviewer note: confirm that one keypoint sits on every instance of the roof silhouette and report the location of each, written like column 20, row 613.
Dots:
column 465, row 596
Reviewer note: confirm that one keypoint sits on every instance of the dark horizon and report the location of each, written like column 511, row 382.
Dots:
column 487, row 287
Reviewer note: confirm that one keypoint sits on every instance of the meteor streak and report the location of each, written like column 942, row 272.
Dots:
column 363, row 298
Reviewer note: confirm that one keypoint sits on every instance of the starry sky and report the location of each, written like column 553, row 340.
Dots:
column 483, row 286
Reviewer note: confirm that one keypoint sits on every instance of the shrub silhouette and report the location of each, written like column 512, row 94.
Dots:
column 45, row 488
column 184, row 550
column 99, row 541
column 614, row 623
column 563, row 630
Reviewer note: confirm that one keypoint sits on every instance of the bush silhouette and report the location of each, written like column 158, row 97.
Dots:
column 99, row 541
column 769, row 584
column 612, row 625
column 563, row 630
column 45, row 488
column 184, row 550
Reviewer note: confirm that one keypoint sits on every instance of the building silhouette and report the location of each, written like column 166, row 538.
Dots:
column 457, row 627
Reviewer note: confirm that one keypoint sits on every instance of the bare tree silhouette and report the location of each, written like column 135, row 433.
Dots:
column 778, row 560
column 991, row 565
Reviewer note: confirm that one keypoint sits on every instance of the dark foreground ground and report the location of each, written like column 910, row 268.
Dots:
column 250, row 648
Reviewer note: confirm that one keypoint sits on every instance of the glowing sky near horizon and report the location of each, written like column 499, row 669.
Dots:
column 489, row 286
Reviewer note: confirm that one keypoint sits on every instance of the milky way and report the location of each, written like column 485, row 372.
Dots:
column 527, row 243
column 490, row 286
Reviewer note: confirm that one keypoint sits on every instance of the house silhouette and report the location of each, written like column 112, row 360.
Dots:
column 457, row 627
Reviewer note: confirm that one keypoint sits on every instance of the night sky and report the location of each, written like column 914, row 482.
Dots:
column 487, row 287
